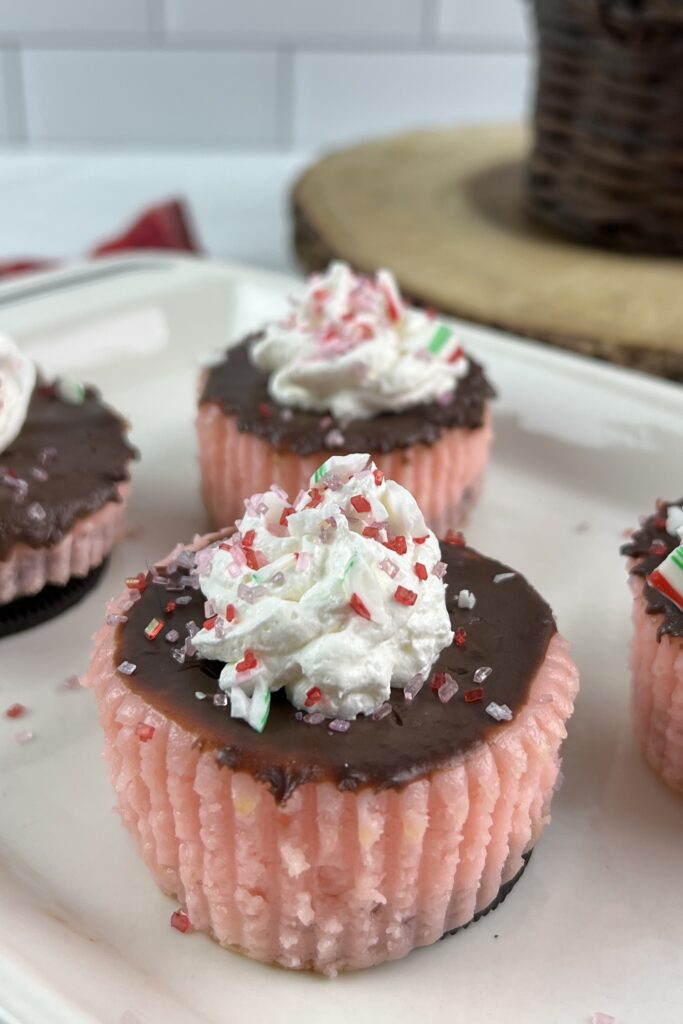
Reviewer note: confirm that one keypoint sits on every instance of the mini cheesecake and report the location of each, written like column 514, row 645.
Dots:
column 433, row 438
column 656, row 580
column 64, row 481
column 314, row 840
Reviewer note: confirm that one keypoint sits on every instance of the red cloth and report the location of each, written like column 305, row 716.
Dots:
column 166, row 226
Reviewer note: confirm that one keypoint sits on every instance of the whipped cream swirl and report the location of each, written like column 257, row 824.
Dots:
column 337, row 596
column 17, row 380
column 352, row 347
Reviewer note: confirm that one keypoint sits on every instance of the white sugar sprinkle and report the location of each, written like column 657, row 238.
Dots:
column 482, row 673
column 466, row 599
column 500, row 712
column 126, row 668
column 502, row 576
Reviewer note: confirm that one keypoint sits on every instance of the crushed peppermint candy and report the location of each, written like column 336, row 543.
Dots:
column 172, row 636
column 413, row 687
column 383, row 711
column 16, row 711
column 144, row 732
column 339, row 725
column 448, row 689
column 180, row 921
column 466, row 599
column 481, row 674
column 317, row 718
column 501, row 577
column 126, row 668
column 22, row 738
column 603, row 1018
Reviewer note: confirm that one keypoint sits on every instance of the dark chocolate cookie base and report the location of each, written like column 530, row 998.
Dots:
column 503, row 892
column 51, row 601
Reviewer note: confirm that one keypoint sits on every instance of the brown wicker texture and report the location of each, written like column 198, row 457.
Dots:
column 607, row 161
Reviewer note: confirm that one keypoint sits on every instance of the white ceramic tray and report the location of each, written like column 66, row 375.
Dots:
column 596, row 924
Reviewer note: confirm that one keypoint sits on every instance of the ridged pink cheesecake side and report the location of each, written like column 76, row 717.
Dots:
column 657, row 691
column 332, row 880
column 86, row 545
column 445, row 477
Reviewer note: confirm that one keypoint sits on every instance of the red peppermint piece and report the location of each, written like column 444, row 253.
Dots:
column 316, row 498
column 420, row 540
column 180, row 921
column 15, row 711
column 265, row 410
column 460, row 638
column 454, row 537
column 421, row 571
column 379, row 476
column 437, row 681
column 248, row 539
column 371, row 531
column 255, row 559
column 230, row 613
column 170, row 607
column 286, row 513
column 404, row 596
column 473, row 695
column 248, row 662
column 455, row 355
column 312, row 696
column 210, row 623
column 398, row 544
column 360, row 503
column 224, row 547
column 144, row 732
column 359, row 607
column 138, row 582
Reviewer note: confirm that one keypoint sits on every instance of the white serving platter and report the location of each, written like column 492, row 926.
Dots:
column 596, row 924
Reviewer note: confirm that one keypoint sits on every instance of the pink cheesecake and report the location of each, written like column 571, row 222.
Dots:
column 289, row 825
column 352, row 368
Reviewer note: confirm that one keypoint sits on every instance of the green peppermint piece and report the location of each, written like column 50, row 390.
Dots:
column 441, row 337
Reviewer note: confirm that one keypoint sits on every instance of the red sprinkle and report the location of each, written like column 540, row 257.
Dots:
column 405, row 596
column 379, row 476
column 359, row 607
column 659, row 523
column 248, row 539
column 312, row 696
column 658, row 547
column 265, row 410
column 421, row 571
column 398, row 544
column 223, row 547
column 371, row 531
column 248, row 662
column 255, row 559
column 210, row 623
column 170, row 607
column 15, row 711
column 360, row 503
column 144, row 732
column 420, row 540
column 138, row 582
column 472, row 695
column 316, row 498
column 437, row 681
column 286, row 513
column 180, row 921
column 460, row 638
column 153, row 628
column 230, row 613
column 453, row 358
column 454, row 537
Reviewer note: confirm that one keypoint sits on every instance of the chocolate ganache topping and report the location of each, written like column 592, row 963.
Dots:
column 66, row 462
column 649, row 546
column 507, row 631
column 241, row 389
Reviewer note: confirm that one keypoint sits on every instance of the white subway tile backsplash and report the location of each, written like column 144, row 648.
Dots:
column 298, row 19
column 339, row 97
column 58, row 16
column 486, row 20
column 150, row 96
column 4, row 98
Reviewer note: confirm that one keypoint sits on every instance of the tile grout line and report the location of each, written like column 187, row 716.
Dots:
column 16, row 94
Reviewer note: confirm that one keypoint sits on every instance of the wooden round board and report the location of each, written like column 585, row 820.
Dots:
column 444, row 210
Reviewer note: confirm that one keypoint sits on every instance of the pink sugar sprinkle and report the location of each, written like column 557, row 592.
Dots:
column 603, row 1018
column 22, row 738
column 39, row 474
column 300, row 497
column 209, row 609
column 546, row 698
column 381, row 712
column 448, row 689
column 440, row 570
column 413, row 687
column 220, row 700
column 339, row 725
column 317, row 718
column 279, row 492
column 286, row 415
column 389, row 567
column 324, row 422
column 71, row 683
column 334, row 438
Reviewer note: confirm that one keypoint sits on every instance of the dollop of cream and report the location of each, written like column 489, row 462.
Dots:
column 336, row 597
column 352, row 347
column 17, row 380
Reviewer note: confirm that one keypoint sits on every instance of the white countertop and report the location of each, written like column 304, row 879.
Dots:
column 58, row 204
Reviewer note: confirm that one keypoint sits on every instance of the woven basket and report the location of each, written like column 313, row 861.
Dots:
column 607, row 161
